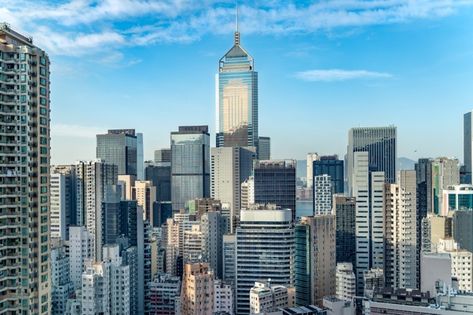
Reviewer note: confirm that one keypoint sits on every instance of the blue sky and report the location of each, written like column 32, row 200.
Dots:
column 324, row 66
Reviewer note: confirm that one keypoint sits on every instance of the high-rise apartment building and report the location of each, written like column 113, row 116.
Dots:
column 223, row 298
column 468, row 145
column 264, row 148
column 345, row 283
column 275, row 183
column 58, row 206
column 197, row 293
column 345, row 217
column 237, row 98
column 381, row 145
column 213, row 226
column 144, row 192
column 119, row 147
column 190, row 166
column 25, row 285
column 311, row 158
column 315, row 259
column 368, row 189
column 165, row 291
column 248, row 192
column 92, row 178
column 81, row 248
column 322, row 187
column 68, row 172
column 264, row 250
column 62, row 287
column 401, row 266
column 230, row 167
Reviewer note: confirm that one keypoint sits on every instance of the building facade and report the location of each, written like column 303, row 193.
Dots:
column 345, row 217
column 264, row 148
column 119, row 147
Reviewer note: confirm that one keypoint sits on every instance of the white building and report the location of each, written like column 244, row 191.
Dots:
column 336, row 306
column 264, row 250
column 62, row 286
column 223, row 298
column 461, row 263
column 368, row 189
column 81, row 248
column 58, row 206
column 192, row 245
column 266, row 297
column 345, row 282
column 311, row 157
column 457, row 197
column 322, row 185
column 401, row 261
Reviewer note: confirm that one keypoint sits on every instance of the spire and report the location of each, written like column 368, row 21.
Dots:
column 237, row 32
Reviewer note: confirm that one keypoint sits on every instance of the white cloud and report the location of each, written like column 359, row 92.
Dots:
column 77, row 27
column 75, row 131
column 331, row 75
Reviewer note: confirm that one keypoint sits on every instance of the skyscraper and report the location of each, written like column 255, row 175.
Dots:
column 332, row 166
column 145, row 195
column 119, row 147
column 264, row 250
column 368, row 189
column 467, row 145
column 25, row 285
column 237, row 98
column 322, row 187
column 275, row 182
column 58, row 206
column 345, row 216
column 162, row 157
column 381, row 145
column 69, row 173
column 264, row 148
column 190, row 167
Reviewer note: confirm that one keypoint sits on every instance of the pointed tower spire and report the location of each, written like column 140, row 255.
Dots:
column 237, row 32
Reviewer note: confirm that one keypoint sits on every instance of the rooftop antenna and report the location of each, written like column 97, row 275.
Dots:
column 237, row 32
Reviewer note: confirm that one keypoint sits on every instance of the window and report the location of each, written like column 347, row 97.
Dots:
column 42, row 101
column 42, row 71
column 42, row 61
column 42, row 91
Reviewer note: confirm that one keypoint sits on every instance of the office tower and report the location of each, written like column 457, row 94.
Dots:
column 213, row 226
column 119, row 147
column 264, row 148
column 92, row 179
column 345, row 217
column 229, row 259
column 264, row 250
column 161, row 212
column 315, row 259
column 401, row 265
column 275, row 182
column 165, row 291
column 160, row 176
column 467, row 145
column 190, row 167
column 68, row 173
column 162, row 157
column 462, row 228
column 111, row 215
column 332, row 166
column 445, row 173
column 58, row 206
column 24, row 164
column 62, row 286
column 368, row 189
column 311, row 157
column 381, row 145
column 81, row 248
column 266, row 297
column 237, row 98
column 373, row 280
column 345, row 283
column 230, row 167
column 145, row 195
column 457, row 197
column 197, row 293
column 247, row 192
column 140, row 160
column 223, row 298
column 322, row 187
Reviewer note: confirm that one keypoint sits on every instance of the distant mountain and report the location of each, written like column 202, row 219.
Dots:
column 404, row 163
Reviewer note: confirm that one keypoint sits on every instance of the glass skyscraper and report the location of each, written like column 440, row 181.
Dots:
column 120, row 147
column 190, row 166
column 237, row 99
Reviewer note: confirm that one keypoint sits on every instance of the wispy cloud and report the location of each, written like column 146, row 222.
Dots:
column 77, row 27
column 331, row 75
column 75, row 131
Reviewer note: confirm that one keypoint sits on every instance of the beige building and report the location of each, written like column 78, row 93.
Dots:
column 127, row 182
column 145, row 195
column 197, row 292
column 434, row 228
column 266, row 297
column 25, row 285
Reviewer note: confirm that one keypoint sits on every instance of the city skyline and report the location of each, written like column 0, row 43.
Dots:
column 402, row 60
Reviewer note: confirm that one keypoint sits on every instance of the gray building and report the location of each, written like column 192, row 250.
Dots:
column 381, row 145
column 69, row 173
column 345, row 217
column 462, row 228
column 162, row 156
column 119, row 147
column 190, row 167
column 275, row 182
column 467, row 146
column 213, row 226
column 24, row 165
column 264, row 148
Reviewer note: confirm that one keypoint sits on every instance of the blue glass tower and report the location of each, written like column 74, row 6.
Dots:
column 237, row 98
